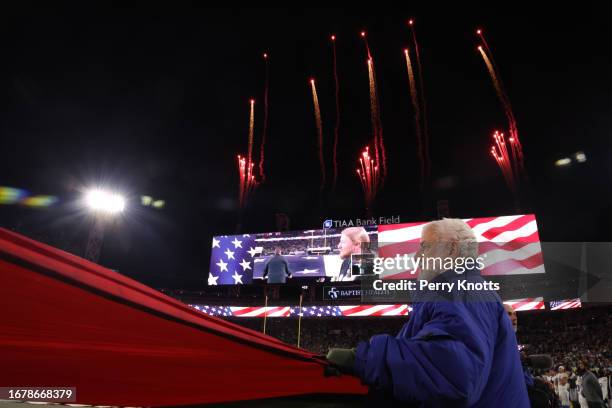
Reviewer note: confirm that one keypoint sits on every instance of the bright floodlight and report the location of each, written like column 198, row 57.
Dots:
column 580, row 157
column 99, row 200
column 566, row 161
column 159, row 204
column 146, row 200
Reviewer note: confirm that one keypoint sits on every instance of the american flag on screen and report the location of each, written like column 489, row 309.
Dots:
column 317, row 311
column 270, row 311
column 214, row 310
column 231, row 260
column 352, row 311
column 565, row 304
column 307, row 311
column 375, row 310
column 521, row 305
column 509, row 245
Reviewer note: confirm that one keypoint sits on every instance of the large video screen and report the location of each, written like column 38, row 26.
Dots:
column 285, row 257
column 509, row 245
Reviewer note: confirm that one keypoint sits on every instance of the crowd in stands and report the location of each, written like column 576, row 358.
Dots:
column 574, row 339
column 569, row 336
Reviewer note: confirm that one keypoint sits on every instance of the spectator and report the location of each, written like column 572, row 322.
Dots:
column 563, row 392
column 591, row 390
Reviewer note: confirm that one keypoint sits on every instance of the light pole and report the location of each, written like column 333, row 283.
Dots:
column 104, row 206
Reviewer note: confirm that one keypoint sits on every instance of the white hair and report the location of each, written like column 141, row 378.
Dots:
column 456, row 230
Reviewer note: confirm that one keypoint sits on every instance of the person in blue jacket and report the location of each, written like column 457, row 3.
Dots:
column 458, row 348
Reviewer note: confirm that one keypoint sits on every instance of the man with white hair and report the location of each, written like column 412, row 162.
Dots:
column 457, row 350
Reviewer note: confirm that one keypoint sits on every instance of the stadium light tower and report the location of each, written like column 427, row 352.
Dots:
column 104, row 206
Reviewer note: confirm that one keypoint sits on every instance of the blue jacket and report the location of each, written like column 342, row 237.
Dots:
column 457, row 350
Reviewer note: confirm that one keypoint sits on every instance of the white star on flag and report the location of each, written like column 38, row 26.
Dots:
column 237, row 244
column 307, row 271
column 252, row 252
column 230, row 254
column 237, row 278
column 216, row 243
column 222, row 265
column 212, row 280
column 245, row 265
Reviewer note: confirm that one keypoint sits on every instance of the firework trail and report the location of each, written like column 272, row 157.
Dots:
column 417, row 114
column 319, row 123
column 373, row 107
column 425, row 132
column 369, row 176
column 499, row 151
column 480, row 34
column 516, row 147
column 251, row 131
column 246, row 165
column 379, row 144
column 493, row 74
column 264, row 133
column 247, row 180
column 365, row 41
column 373, row 104
column 337, row 125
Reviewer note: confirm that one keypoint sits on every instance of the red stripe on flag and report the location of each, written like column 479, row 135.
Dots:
column 509, row 265
column 518, row 243
column 354, row 309
column 261, row 311
column 385, row 310
column 520, row 304
column 244, row 311
column 512, row 226
column 477, row 221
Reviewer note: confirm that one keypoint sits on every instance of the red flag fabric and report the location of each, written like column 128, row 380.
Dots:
column 68, row 322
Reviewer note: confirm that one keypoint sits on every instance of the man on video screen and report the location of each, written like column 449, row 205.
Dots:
column 277, row 268
column 353, row 241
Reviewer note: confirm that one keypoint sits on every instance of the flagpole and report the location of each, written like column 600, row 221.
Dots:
column 299, row 322
column 265, row 314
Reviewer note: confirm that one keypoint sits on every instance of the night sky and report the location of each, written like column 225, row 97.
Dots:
column 154, row 100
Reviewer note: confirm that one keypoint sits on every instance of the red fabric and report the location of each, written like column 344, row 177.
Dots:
column 65, row 321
